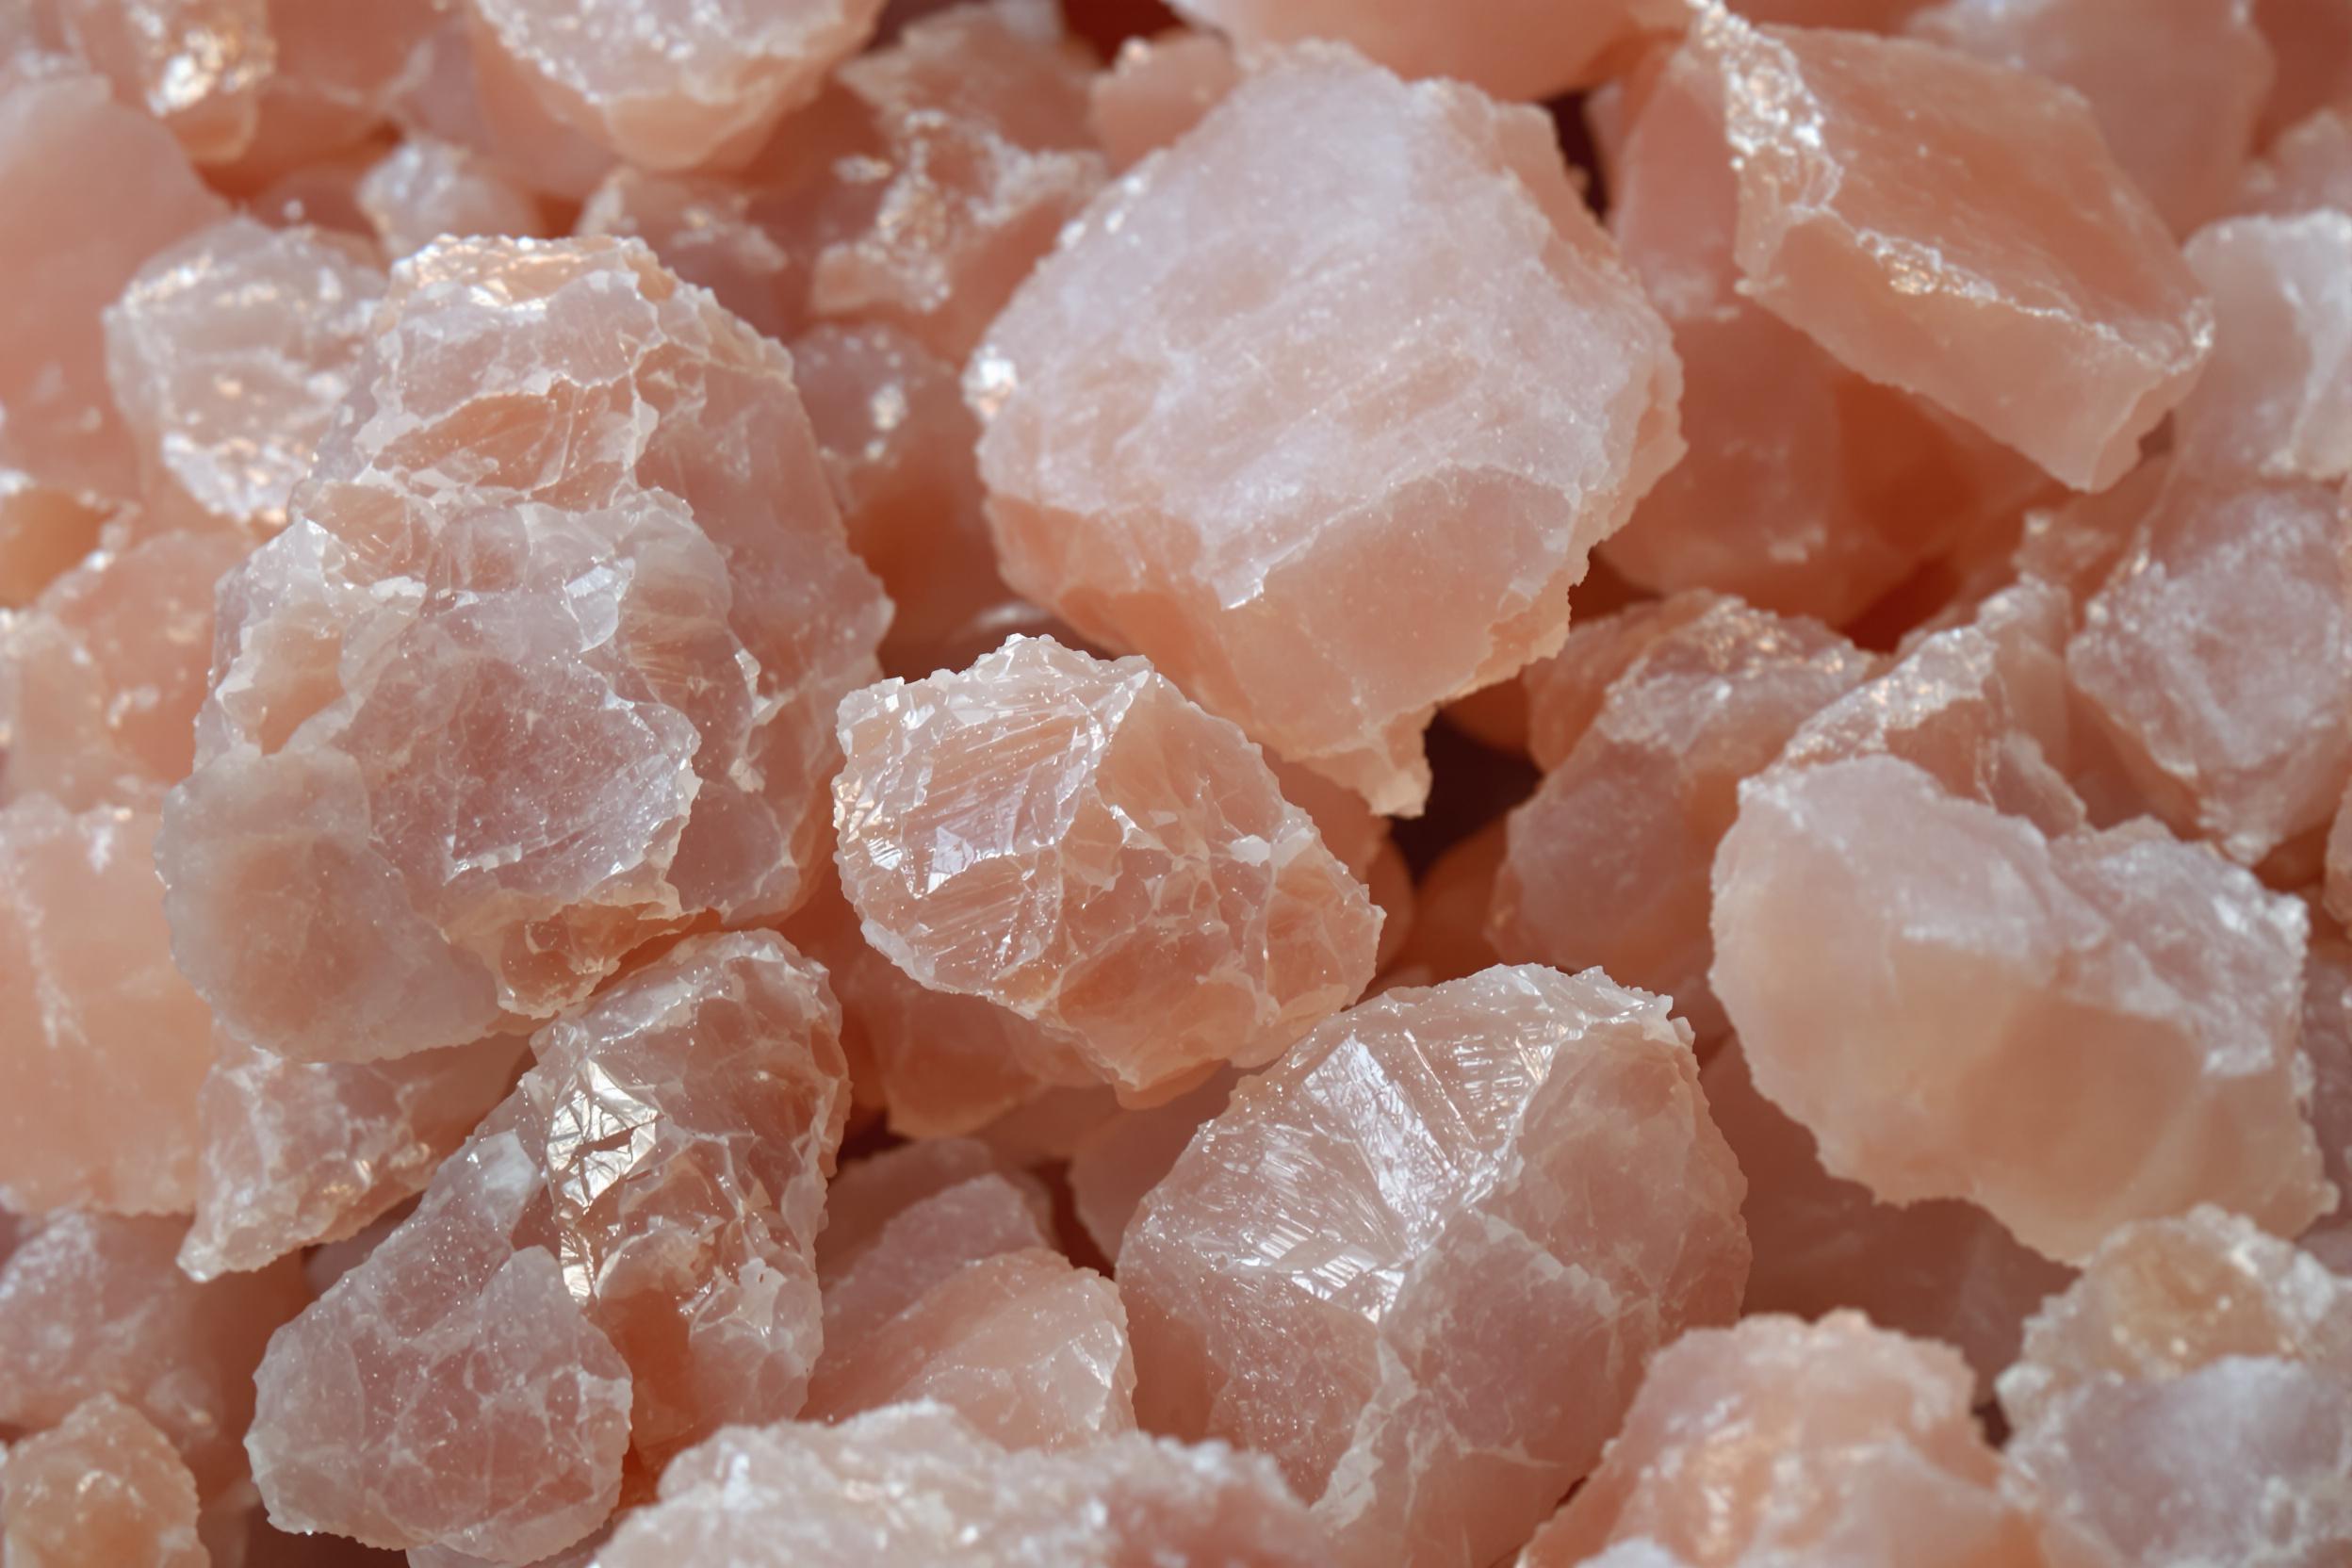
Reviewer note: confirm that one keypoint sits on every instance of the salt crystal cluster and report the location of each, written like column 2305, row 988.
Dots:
column 102, row 1489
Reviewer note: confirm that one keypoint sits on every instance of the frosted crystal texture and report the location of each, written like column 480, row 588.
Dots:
column 1077, row 843
column 1440, row 355
column 1522, row 1159
column 197, row 65
column 677, row 84
column 2276, row 399
column 1510, row 48
column 569, row 497
column 1831, row 1443
column 2028, row 287
column 620, row 1259
column 916, row 1484
column 102, row 1489
column 424, row 189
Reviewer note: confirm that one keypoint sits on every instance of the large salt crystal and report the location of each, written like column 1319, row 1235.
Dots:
column 2177, row 88
column 1608, row 863
column 2308, row 168
column 2189, row 1401
column 2276, row 399
column 2219, row 657
column 425, row 189
column 900, row 1222
column 105, row 1045
column 1510, row 48
column 92, row 1305
column 619, row 1260
column 1076, row 842
column 1831, row 1443
column 337, row 70
column 674, row 86
column 710, row 232
column 1460, row 1220
column 1114, row 1167
column 917, row 1484
column 111, row 188
column 197, row 65
column 1211, row 441
column 1156, row 89
column 102, row 1489
column 642, row 569
column 2025, row 285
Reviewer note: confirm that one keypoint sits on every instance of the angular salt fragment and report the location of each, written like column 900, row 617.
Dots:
column 2276, row 398
column 424, row 189
column 102, row 1489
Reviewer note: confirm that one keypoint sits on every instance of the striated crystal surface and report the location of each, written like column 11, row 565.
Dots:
column 642, row 569
column 102, row 1489
column 915, row 1483
column 2276, row 398
column 1504, row 1161
column 1510, row 48
column 1648, row 720
column 1156, row 89
column 2028, row 287
column 1077, row 843
column 1422, row 344
column 900, row 1222
column 197, row 65
column 425, row 189
column 1833, row 1444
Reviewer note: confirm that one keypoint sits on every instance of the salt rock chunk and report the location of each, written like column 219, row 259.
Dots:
column 90, row 1305
column 197, row 65
column 297, row 1153
column 1029, row 1349
column 1516, row 1103
column 1156, row 89
column 1940, row 1270
column 1833, row 1444
column 1608, row 863
column 2177, row 90
column 680, row 87
column 101, row 678
column 2328, row 1042
column 710, row 232
column 645, row 571
column 2311, row 40
column 337, row 71
column 2309, row 167
column 640, row 1211
column 2276, row 398
column 900, row 1222
column 1221, row 483
column 323, row 194
column 1116, row 1164
column 1510, row 48
column 2219, row 657
column 2338, row 861
column 2147, row 987
column 229, row 353
column 112, row 188
column 1450, row 905
column 424, row 189
column 103, row 1044
column 102, row 1489
column 916, row 1483
column 460, row 86
column 2029, row 288
column 44, row 532
column 1148, row 899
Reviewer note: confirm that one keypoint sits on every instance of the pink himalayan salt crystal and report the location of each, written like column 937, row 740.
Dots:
column 1029, row 1349
column 103, row 1044
column 2308, row 168
column 1114, row 1167
column 713, row 231
column 1940, row 1270
column 1510, row 48
column 321, row 194
column 112, row 188
column 44, row 532
column 424, row 189
column 101, row 677
column 296, row 1153
column 337, row 71
column 2311, row 41
column 1156, row 89
column 916, row 1483
column 1148, row 899
column 1222, row 480
column 2029, row 288
column 675, row 85
column 619, row 1260
column 2175, row 87
column 102, row 1489
column 2189, row 1401
column 2218, row 657
column 642, row 569
column 1461, row 1318
column 228, row 354
column 2276, row 398
column 2327, row 1041
column 197, row 65
column 1608, row 863
column 1833, row 1444
column 90, row 1305
column 900, row 1222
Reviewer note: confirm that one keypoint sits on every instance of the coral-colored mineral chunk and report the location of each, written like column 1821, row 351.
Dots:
column 570, row 500
column 198, row 66
column 2276, row 398
column 1608, row 863
column 424, row 189
column 1831, row 1443
column 2025, row 285
column 620, row 1259
column 709, row 231
column 1156, row 89
column 1404, row 337
column 1510, row 48
column 102, row 1489
column 674, row 85
column 1113, row 1167
column 2308, row 168
column 43, row 530
column 917, row 1484
column 105, row 1045
column 1076, row 842
column 900, row 1222
column 1515, row 1159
